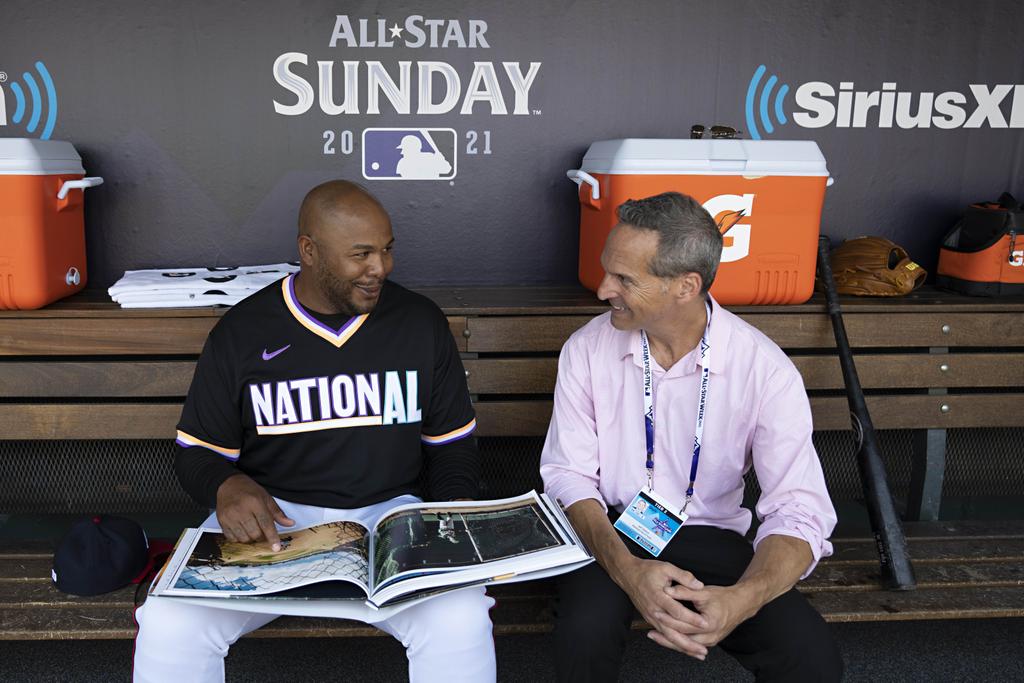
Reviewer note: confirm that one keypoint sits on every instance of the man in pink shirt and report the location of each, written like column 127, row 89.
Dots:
column 662, row 405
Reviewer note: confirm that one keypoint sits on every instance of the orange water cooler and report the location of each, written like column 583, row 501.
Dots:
column 42, row 229
column 769, row 255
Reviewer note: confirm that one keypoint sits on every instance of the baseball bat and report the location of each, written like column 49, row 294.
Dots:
column 430, row 140
column 897, row 572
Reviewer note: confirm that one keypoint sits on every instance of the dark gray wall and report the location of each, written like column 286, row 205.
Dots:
column 172, row 103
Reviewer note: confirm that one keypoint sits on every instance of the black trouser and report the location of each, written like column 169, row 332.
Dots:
column 786, row 641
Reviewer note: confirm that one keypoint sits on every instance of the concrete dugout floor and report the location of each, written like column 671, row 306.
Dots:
column 988, row 650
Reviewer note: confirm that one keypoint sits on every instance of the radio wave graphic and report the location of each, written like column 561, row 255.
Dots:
column 21, row 102
column 763, row 103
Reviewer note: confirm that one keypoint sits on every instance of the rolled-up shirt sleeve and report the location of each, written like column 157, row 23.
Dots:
column 794, row 499
column 569, row 463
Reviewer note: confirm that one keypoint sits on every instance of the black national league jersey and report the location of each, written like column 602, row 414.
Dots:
column 325, row 410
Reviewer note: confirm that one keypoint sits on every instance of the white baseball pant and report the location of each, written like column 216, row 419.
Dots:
column 447, row 638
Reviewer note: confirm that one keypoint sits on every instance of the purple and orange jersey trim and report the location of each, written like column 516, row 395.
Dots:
column 188, row 441
column 453, row 435
column 336, row 337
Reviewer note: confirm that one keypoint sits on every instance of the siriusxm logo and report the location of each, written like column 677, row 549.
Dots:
column 409, row 153
column 820, row 104
column 31, row 111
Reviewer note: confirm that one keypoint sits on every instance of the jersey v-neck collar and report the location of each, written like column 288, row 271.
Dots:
column 336, row 337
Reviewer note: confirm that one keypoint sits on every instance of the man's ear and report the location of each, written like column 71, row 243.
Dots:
column 307, row 249
column 687, row 286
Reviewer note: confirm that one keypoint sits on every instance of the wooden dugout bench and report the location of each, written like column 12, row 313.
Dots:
column 86, row 387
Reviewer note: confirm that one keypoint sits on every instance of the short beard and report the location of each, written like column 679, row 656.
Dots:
column 337, row 292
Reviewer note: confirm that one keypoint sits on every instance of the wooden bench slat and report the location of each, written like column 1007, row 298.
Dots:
column 883, row 371
column 158, row 379
column 116, row 621
column 925, row 603
column 521, row 333
column 921, row 370
column 788, row 330
column 37, row 589
column 922, row 412
column 66, row 623
column 550, row 300
column 864, row 577
column 512, row 418
column 24, row 570
column 107, row 379
column 792, row 331
column 961, row 528
column 531, row 616
column 27, row 581
column 40, row 592
column 106, row 623
column 933, row 550
column 127, row 336
column 457, row 326
column 47, row 421
column 556, row 299
column 33, row 549
column 530, row 418
column 867, row 577
column 511, row 375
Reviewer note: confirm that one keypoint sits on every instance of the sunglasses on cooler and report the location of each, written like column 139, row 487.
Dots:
column 717, row 132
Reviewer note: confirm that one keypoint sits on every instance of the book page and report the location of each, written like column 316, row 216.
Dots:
column 331, row 551
column 433, row 538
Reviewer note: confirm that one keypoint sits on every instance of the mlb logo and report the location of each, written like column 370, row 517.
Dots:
column 409, row 153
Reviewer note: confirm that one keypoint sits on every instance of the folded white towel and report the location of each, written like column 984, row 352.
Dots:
column 174, row 287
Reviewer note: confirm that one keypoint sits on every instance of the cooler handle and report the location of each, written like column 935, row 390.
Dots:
column 84, row 184
column 830, row 181
column 579, row 177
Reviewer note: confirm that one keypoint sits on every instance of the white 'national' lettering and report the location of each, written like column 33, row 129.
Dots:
column 285, row 405
column 394, row 406
column 314, row 403
column 412, row 403
column 343, row 396
column 323, row 391
column 305, row 406
column 262, row 403
column 368, row 391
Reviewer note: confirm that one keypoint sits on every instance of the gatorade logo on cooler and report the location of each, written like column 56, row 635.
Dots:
column 737, row 238
column 820, row 105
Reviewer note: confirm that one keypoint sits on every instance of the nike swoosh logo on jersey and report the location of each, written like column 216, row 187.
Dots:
column 268, row 356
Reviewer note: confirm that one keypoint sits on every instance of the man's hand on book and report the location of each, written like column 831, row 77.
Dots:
column 246, row 512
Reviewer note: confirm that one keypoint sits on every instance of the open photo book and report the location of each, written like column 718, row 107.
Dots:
column 412, row 551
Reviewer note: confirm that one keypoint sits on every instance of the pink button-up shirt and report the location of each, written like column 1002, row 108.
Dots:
column 757, row 416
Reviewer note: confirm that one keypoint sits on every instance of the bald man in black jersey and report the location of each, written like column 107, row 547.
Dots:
column 320, row 398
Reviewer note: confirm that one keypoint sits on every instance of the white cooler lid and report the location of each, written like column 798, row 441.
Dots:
column 29, row 156
column 705, row 157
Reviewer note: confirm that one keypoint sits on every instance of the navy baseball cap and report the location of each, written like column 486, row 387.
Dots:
column 99, row 555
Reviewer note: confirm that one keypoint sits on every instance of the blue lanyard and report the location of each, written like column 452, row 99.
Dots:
column 698, row 432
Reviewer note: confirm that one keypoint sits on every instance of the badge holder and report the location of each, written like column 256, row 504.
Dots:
column 650, row 521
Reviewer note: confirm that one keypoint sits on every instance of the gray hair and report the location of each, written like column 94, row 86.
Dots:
column 688, row 239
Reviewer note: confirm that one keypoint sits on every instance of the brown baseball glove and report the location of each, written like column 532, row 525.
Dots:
column 874, row 266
